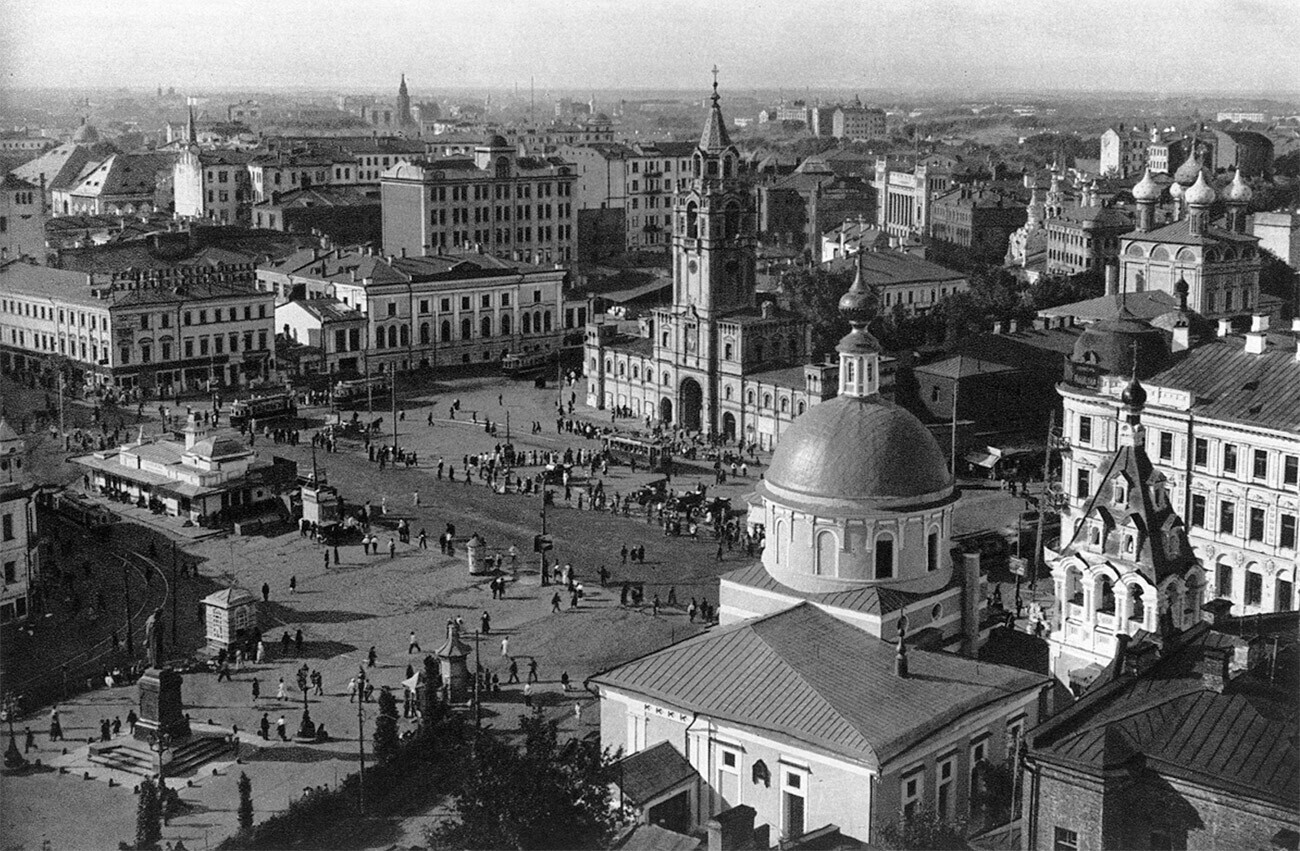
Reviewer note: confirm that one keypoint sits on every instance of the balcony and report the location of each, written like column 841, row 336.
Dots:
column 1074, row 611
column 1106, row 621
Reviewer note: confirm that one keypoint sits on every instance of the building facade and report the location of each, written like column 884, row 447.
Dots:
column 22, row 220
column 858, row 123
column 977, row 218
column 213, row 185
column 19, row 537
column 1123, row 151
column 903, row 198
column 1086, row 237
column 509, row 206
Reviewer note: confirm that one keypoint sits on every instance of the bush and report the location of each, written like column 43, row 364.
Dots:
column 245, row 802
column 386, row 740
column 148, row 816
column 925, row 831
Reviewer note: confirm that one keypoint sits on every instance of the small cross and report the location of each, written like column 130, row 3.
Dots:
column 715, row 77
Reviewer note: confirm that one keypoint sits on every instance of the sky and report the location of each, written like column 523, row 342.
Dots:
column 1158, row 46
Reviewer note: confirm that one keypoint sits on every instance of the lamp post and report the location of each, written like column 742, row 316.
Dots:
column 361, row 739
column 126, row 604
column 160, row 743
column 13, row 757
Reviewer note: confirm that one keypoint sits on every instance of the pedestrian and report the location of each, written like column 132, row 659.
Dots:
column 131, row 718
column 325, row 558
column 654, row 606
column 264, row 727
column 514, row 672
column 266, row 592
column 29, row 740
column 280, row 729
column 117, row 725
column 104, row 728
column 392, row 548
column 293, row 582
column 297, row 642
column 577, row 713
column 412, row 646
column 564, row 681
column 416, row 499
column 257, row 690
column 505, row 646
column 528, row 693
column 279, row 691
column 719, row 556
column 352, row 689
column 690, row 611
column 532, row 670
column 486, row 622
column 371, row 656
column 623, row 554
column 555, row 603
column 261, row 652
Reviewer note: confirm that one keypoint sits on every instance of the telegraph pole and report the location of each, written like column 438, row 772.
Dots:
column 392, row 391
column 126, row 602
column 361, row 739
column 175, row 591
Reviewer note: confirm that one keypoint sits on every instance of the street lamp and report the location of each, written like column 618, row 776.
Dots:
column 13, row 757
column 306, row 730
column 361, row 739
column 160, row 743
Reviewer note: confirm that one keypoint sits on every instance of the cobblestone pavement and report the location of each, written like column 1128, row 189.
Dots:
column 377, row 601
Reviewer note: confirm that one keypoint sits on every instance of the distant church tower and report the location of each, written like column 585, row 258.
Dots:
column 403, row 104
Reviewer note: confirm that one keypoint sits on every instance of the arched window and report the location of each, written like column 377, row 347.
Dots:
column 546, row 321
column 466, row 328
column 503, row 167
column 528, row 323
column 1106, row 599
column 622, row 369
column 380, row 338
column 424, row 333
column 636, row 371
column 826, row 557
column 785, row 405
column 767, row 400
column 406, row 335
column 485, row 326
column 776, row 541
column 1074, row 585
column 726, row 392
column 1136, row 609
column 666, row 379
column 537, row 321
column 932, row 552
column 445, row 331
column 692, row 220
column 749, row 398
column 884, row 556
column 505, row 325
column 803, row 406
column 392, row 337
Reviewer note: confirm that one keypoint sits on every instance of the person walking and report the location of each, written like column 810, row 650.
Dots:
column 564, row 681
column 528, row 694
column 623, row 554
column 280, row 692
column 412, row 646
column 297, row 643
column 264, row 727
column 352, row 689
column 555, row 603
column 532, row 670
column 505, row 646
column 293, row 583
column 257, row 690
column 56, row 727
column 280, row 729
column 371, row 656
column 415, row 498
column 577, row 714
column 486, row 623
column 29, row 740
column 392, row 548
column 266, row 592
column 514, row 672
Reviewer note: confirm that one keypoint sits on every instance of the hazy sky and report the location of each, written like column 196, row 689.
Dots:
column 1139, row 45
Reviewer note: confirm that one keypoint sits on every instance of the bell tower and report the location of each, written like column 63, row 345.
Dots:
column 714, row 226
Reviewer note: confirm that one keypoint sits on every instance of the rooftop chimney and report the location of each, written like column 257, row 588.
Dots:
column 732, row 829
column 1182, row 337
column 1225, row 327
column 1259, row 322
column 1112, row 279
column 1213, row 666
column 1256, row 343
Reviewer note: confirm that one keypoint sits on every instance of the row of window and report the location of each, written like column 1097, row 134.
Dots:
column 502, row 236
column 1255, row 521
column 826, row 552
column 912, row 787
column 46, row 343
column 400, row 335
column 47, row 314
column 499, row 192
column 201, row 317
column 466, row 302
column 218, row 345
column 1232, row 457
column 484, row 215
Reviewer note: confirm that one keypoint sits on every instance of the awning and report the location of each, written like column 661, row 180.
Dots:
column 982, row 459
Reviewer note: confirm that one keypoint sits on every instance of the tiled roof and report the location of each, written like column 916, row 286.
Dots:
column 124, row 174
column 1230, row 384
column 12, row 181
column 60, row 165
column 648, row 773
column 325, row 196
column 806, row 675
column 329, row 309
column 787, row 376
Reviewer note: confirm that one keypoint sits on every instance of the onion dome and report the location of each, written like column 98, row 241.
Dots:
column 855, row 304
column 1201, row 194
column 1176, row 191
column 1188, row 171
column 1238, row 192
column 1147, row 189
column 498, row 141
column 1134, row 394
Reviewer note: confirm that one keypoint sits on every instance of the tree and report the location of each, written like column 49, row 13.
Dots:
column 432, row 709
column 550, row 794
column 148, row 816
column 815, row 293
column 386, row 739
column 924, row 830
column 245, row 802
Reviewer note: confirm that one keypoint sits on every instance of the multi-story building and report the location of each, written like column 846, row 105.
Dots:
column 1221, row 426
column 280, row 172
column 338, row 333
column 22, row 220
column 903, row 282
column 428, row 310
column 505, row 204
column 244, row 112
column 714, row 361
column 213, row 185
column 640, row 179
column 1279, row 233
column 152, row 315
column 63, row 167
column 1085, row 237
column 123, row 184
column 858, row 123
column 1243, row 117
column 1123, row 151
column 345, row 214
column 977, row 218
column 1219, row 264
column 793, row 111
column 19, row 540
column 545, row 139
column 903, row 198
column 796, row 209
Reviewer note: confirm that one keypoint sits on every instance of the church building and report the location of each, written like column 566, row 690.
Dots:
column 715, row 361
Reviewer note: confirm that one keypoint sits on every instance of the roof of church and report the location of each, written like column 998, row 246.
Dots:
column 887, row 267
column 1179, row 233
column 867, row 600
column 805, row 675
column 714, row 138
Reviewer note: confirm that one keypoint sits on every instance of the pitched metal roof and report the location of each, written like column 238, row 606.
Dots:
column 1179, row 233
column 889, row 267
column 1147, row 304
column 1230, row 384
column 807, row 675
column 870, row 600
column 648, row 773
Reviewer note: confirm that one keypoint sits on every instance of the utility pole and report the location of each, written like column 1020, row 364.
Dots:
column 175, row 591
column 361, row 739
column 956, row 384
column 1043, row 502
column 392, row 390
column 126, row 602
column 62, row 430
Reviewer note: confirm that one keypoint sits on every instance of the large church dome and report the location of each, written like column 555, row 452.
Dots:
column 859, row 448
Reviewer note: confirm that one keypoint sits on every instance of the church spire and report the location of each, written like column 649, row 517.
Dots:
column 714, row 139
column 191, row 130
column 859, row 351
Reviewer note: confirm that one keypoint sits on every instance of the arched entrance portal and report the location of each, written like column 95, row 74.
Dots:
column 666, row 411
column 692, row 404
column 728, row 427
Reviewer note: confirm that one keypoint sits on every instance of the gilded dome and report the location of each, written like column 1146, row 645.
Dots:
column 1147, row 189
column 858, row 448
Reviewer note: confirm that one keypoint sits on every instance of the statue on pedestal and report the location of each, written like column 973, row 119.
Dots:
column 153, row 638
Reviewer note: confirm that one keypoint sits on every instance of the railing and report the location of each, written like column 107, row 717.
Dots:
column 1074, row 611
column 1105, row 621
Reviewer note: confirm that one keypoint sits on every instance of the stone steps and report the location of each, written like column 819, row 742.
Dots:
column 136, row 758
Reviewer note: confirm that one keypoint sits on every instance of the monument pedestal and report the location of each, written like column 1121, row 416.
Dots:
column 161, row 710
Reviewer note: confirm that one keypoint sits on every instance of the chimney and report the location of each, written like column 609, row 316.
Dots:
column 1121, row 649
column 1256, row 343
column 733, row 829
column 1216, row 612
column 970, row 604
column 1225, row 327
column 1213, row 666
column 1112, row 279
column 1014, row 326
column 403, row 252
column 1259, row 323
column 999, row 327
column 1295, row 326
column 1182, row 338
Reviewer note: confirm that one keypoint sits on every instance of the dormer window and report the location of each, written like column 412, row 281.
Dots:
column 1130, row 543
column 1121, row 492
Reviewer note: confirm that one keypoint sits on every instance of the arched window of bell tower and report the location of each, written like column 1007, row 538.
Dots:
column 731, row 220
column 692, row 220
column 728, row 166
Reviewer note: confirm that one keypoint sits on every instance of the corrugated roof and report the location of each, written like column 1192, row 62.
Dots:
column 805, row 674
column 1230, row 384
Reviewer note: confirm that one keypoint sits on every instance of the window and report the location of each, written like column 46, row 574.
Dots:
column 11, row 572
column 729, row 777
column 445, row 305
column 1286, row 531
column 1282, row 596
column 485, row 300
column 1064, row 840
column 1259, row 465
column 884, row 556
column 943, row 787
column 793, row 804
column 1290, row 470
column 1255, row 525
column 1166, row 446
column 464, row 302
column 1198, row 510
column 392, row 308
column 1254, row 588
column 1083, row 484
column 1228, row 517
column 1201, row 452
column 1223, row 580
column 8, row 527
column 911, row 795
column 932, row 552
column 1085, row 430
column 1229, row 457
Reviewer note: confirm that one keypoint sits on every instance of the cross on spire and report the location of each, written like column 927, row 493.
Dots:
column 715, row 83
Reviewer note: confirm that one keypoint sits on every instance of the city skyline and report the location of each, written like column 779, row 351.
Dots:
column 889, row 46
